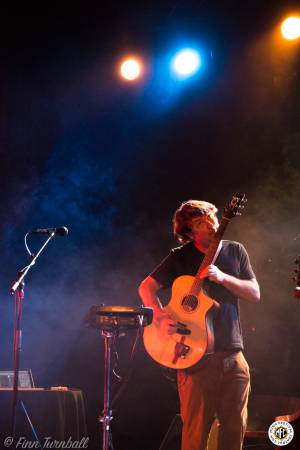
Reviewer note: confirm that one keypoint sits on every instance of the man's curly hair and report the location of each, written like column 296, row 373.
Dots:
column 185, row 213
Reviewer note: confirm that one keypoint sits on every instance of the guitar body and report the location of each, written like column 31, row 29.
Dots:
column 179, row 351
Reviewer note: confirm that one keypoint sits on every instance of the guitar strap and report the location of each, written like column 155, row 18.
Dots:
column 217, row 252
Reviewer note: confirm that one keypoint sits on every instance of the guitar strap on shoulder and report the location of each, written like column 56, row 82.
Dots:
column 217, row 252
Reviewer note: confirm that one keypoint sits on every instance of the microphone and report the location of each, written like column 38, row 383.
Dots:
column 60, row 231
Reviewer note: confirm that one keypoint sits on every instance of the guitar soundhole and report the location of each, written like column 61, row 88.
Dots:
column 189, row 303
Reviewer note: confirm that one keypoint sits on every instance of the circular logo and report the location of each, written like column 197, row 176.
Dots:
column 281, row 432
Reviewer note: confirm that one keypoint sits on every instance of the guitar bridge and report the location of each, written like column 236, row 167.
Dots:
column 181, row 350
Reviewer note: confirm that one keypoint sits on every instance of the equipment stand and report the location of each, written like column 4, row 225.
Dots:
column 112, row 320
column 106, row 417
column 17, row 289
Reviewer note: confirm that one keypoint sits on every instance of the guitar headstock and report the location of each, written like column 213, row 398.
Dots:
column 236, row 204
column 297, row 278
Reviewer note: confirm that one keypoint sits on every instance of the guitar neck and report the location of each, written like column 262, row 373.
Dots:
column 211, row 252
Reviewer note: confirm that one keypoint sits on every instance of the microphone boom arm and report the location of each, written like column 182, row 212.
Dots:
column 24, row 272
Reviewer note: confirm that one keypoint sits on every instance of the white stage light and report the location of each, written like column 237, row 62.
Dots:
column 186, row 62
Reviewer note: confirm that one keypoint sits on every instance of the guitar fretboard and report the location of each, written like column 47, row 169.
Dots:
column 208, row 258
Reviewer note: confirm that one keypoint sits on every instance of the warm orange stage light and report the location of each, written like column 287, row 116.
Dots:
column 131, row 69
column 290, row 28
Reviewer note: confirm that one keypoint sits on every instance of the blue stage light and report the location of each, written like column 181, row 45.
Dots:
column 186, row 62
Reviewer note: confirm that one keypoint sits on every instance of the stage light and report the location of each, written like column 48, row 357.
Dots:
column 131, row 69
column 186, row 62
column 290, row 28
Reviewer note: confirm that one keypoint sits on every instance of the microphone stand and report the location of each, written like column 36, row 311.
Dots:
column 17, row 290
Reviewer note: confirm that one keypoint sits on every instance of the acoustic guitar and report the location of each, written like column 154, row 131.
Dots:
column 191, row 308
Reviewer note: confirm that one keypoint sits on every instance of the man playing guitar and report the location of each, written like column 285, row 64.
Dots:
column 217, row 385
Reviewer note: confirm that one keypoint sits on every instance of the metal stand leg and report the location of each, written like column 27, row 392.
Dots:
column 17, row 347
column 107, row 413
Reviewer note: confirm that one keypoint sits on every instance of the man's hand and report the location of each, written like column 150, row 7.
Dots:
column 165, row 321
column 213, row 274
column 245, row 289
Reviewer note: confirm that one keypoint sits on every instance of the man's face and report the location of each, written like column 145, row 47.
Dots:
column 203, row 229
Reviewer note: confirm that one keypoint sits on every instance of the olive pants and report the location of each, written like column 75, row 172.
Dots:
column 218, row 386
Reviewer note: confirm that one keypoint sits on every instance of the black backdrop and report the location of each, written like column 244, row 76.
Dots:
column 112, row 161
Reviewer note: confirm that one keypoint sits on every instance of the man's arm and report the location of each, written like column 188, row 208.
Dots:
column 148, row 292
column 244, row 289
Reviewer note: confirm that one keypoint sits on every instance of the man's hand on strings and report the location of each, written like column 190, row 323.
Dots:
column 213, row 274
column 166, row 322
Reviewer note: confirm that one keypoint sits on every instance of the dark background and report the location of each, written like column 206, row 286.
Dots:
column 113, row 160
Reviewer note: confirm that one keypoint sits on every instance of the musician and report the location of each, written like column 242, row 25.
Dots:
column 219, row 384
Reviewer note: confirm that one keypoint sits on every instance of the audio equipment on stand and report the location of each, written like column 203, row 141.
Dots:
column 113, row 320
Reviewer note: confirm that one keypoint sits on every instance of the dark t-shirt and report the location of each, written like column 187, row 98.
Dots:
column 233, row 260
